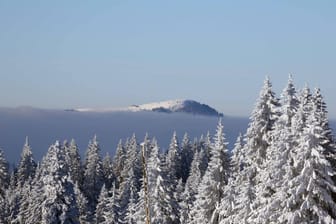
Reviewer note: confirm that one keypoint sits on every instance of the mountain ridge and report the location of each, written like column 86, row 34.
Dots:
column 169, row 106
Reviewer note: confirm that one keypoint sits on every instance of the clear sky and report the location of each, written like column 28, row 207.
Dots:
column 66, row 54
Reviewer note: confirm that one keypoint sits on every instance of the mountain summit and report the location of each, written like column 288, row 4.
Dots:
column 170, row 106
column 183, row 106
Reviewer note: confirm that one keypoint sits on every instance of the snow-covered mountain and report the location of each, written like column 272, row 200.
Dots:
column 170, row 106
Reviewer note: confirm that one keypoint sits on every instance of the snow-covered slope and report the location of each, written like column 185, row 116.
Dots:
column 170, row 106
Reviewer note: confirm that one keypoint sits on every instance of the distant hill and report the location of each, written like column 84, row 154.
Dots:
column 170, row 106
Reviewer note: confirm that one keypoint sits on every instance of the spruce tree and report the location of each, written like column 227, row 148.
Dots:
column 108, row 171
column 163, row 206
column 210, row 191
column 118, row 163
column 310, row 198
column 82, row 204
column 56, row 195
column 187, row 155
column 131, row 174
column 73, row 160
column 93, row 175
column 27, row 165
column 4, row 174
column 191, row 186
column 278, row 156
column 173, row 158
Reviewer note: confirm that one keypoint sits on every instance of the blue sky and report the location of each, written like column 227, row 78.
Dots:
column 65, row 54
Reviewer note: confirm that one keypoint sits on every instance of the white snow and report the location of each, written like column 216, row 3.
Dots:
column 172, row 105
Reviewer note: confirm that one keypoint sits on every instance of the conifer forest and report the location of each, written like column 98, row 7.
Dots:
column 282, row 170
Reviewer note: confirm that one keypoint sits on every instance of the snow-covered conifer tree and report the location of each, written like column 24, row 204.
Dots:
column 108, row 171
column 93, row 175
column 162, row 204
column 111, row 214
column 262, row 122
column 130, row 215
column 238, row 156
column 73, row 160
column 27, row 165
column 82, row 204
column 191, row 186
column 57, row 197
column 210, row 191
column 173, row 158
column 118, row 163
column 187, row 155
column 278, row 157
column 102, row 205
column 321, row 115
column 289, row 103
column 4, row 174
column 310, row 199
column 142, row 206
column 131, row 174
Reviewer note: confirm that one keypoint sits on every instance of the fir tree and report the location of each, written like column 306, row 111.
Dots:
column 163, row 205
column 118, row 163
column 130, row 215
column 109, row 207
column 102, row 205
column 278, row 157
column 187, row 154
column 191, row 186
column 82, row 204
column 108, row 171
column 173, row 158
column 210, row 191
column 310, row 198
column 131, row 174
column 4, row 174
column 27, row 165
column 73, row 161
column 58, row 203
column 93, row 175
column 258, row 139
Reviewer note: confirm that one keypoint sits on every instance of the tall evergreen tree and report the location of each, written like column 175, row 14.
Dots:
column 82, row 204
column 111, row 214
column 108, row 171
column 321, row 115
column 102, row 205
column 187, row 155
column 4, row 174
column 262, row 122
column 58, row 203
column 118, row 163
column 3, row 210
column 238, row 156
column 73, row 160
column 130, row 215
column 27, row 165
column 173, row 158
column 191, row 186
column 210, row 191
column 311, row 189
column 163, row 205
column 289, row 103
column 93, row 175
column 130, row 175
column 277, row 157
column 257, row 141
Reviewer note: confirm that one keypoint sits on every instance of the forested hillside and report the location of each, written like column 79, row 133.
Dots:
column 282, row 170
